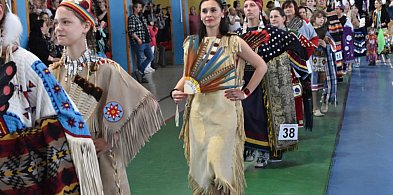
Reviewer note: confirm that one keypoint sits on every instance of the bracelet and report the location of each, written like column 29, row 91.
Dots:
column 246, row 93
column 170, row 94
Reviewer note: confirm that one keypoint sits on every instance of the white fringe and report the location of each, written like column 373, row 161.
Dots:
column 86, row 164
column 143, row 123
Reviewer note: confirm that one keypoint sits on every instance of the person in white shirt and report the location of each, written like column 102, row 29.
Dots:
column 235, row 21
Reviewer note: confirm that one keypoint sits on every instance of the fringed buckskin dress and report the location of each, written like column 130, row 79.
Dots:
column 126, row 116
column 213, row 132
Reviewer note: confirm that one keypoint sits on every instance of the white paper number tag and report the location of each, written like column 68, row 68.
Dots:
column 288, row 132
column 339, row 55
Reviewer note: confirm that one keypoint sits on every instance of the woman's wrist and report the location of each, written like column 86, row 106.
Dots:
column 246, row 92
column 244, row 95
column 171, row 93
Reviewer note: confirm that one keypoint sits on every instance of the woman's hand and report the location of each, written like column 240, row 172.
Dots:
column 101, row 145
column 178, row 96
column 235, row 94
column 322, row 43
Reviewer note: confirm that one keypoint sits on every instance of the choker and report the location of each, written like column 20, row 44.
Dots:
column 74, row 67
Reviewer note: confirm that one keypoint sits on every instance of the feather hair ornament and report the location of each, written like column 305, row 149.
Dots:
column 203, row 71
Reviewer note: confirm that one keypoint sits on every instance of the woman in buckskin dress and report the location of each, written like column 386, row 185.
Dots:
column 213, row 131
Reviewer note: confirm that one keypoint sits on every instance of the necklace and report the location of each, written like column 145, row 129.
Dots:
column 74, row 67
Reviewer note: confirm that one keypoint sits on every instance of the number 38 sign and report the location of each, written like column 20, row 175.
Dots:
column 288, row 132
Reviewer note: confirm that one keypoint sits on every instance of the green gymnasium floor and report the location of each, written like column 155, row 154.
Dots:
column 160, row 167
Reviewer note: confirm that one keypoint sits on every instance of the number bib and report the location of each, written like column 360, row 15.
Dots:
column 288, row 132
column 339, row 55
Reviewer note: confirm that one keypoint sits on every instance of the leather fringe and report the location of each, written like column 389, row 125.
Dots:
column 237, row 188
column 143, row 123
column 85, row 161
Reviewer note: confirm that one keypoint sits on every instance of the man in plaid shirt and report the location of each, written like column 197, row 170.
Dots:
column 140, row 40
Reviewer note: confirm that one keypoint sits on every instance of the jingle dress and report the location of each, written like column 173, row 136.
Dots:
column 126, row 115
column 213, row 132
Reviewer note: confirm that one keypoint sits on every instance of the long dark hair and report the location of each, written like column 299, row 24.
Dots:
column 224, row 27
column 35, row 29
column 296, row 7
column 280, row 11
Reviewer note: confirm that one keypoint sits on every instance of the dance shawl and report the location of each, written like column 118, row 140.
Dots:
column 336, row 31
column 272, row 42
column 126, row 115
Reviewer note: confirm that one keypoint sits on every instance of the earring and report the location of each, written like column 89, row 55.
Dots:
column 1, row 41
column 87, row 51
column 86, row 45
column 66, row 63
column 1, row 37
column 88, row 58
column 222, row 16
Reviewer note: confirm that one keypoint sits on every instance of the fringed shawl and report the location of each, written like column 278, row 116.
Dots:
column 336, row 30
column 330, row 88
column 279, row 101
column 127, row 114
column 348, row 51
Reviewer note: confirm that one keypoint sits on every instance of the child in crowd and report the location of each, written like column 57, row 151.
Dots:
column 319, row 59
column 371, row 47
column 153, row 30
